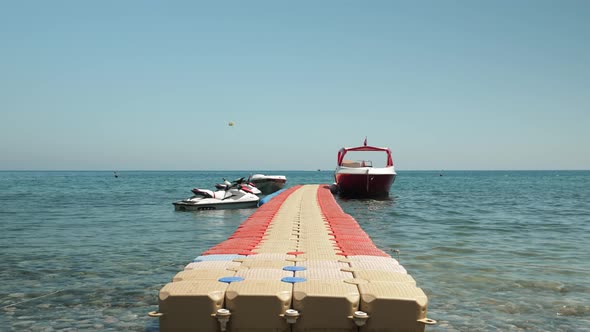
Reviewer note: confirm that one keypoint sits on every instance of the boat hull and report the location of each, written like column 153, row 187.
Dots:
column 364, row 184
column 269, row 186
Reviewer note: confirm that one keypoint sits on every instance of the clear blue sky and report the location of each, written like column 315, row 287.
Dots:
column 119, row 85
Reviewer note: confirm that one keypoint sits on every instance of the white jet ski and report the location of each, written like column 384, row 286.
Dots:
column 235, row 196
column 243, row 182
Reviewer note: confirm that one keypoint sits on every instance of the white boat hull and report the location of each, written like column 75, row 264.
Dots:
column 268, row 184
column 220, row 200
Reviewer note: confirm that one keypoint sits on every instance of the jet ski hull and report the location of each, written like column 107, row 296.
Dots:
column 201, row 205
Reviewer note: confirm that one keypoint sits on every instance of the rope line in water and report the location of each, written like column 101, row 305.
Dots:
column 31, row 299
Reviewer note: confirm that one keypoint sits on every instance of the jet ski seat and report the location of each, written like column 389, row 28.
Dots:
column 203, row 192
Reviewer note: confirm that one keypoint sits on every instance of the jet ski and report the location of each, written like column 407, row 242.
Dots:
column 245, row 185
column 235, row 196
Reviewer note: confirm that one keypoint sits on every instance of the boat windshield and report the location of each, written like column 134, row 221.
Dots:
column 364, row 154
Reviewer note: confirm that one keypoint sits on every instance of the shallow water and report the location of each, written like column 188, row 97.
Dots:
column 493, row 251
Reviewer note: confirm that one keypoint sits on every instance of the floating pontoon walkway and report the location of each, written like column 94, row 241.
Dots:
column 299, row 263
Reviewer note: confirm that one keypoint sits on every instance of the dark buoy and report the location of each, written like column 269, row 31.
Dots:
column 334, row 188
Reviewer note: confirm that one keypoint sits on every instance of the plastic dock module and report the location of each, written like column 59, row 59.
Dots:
column 299, row 263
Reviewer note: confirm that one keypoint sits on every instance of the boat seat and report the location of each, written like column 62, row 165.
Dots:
column 351, row 163
column 203, row 192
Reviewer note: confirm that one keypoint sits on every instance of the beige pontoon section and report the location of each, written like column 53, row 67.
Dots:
column 269, row 264
column 385, row 276
column 330, row 292
column 263, row 274
column 324, row 274
column 188, row 305
column 257, row 305
column 203, row 274
column 371, row 263
column 264, row 257
column 323, row 270
column 392, row 306
column 325, row 305
column 326, row 255
column 214, row 265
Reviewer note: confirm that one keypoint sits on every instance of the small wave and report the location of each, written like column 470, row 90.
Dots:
column 455, row 250
column 542, row 285
column 576, row 310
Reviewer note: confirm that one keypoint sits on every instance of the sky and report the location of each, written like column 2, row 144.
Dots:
column 152, row 85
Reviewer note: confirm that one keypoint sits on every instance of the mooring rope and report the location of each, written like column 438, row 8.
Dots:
column 31, row 299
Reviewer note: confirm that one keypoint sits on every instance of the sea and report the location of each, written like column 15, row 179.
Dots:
column 493, row 250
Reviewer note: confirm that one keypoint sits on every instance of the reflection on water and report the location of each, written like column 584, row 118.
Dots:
column 221, row 214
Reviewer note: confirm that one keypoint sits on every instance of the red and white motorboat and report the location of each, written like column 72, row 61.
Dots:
column 359, row 178
column 268, row 184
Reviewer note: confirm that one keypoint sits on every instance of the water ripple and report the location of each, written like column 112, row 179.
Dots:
column 494, row 251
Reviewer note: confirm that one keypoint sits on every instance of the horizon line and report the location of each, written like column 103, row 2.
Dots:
column 284, row 170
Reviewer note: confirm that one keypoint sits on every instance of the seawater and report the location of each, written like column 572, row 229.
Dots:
column 493, row 250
